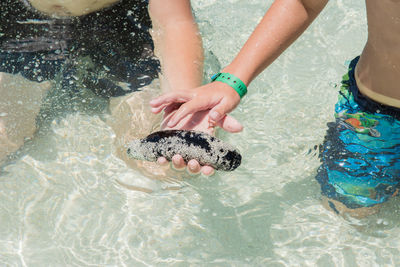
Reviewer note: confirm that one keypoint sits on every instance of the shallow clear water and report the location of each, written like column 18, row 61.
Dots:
column 61, row 203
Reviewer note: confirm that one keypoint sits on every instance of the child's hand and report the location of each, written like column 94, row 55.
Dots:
column 195, row 114
column 218, row 98
column 199, row 122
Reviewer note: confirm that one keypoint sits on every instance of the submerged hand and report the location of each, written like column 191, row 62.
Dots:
column 216, row 98
column 196, row 119
column 199, row 122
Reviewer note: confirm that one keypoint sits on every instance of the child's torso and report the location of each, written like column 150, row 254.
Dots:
column 69, row 7
column 102, row 48
column 378, row 71
column 24, row 29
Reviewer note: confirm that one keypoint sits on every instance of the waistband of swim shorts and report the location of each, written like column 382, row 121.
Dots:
column 365, row 103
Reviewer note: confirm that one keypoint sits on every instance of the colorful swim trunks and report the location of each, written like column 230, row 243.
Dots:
column 361, row 151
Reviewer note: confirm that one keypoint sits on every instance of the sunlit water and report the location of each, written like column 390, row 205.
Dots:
column 61, row 202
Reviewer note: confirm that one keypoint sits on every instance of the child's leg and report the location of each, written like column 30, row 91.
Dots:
column 357, row 174
column 131, row 119
column 340, row 208
column 360, row 156
column 19, row 105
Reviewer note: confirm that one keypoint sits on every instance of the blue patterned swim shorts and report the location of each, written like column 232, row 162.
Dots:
column 361, row 151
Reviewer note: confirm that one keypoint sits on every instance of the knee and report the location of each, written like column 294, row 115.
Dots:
column 341, row 209
column 6, row 145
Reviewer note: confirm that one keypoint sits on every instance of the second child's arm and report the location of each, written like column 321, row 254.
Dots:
column 283, row 23
column 178, row 44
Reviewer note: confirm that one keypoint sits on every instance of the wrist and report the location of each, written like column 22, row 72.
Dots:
column 244, row 75
column 233, row 81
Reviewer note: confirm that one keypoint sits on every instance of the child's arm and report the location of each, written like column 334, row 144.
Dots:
column 281, row 25
column 179, row 48
column 178, row 44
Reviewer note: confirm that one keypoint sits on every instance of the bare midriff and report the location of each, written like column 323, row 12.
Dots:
column 67, row 8
column 378, row 70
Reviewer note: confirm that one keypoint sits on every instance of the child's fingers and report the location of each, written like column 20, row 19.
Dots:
column 172, row 97
column 230, row 124
column 171, row 108
column 162, row 161
column 185, row 110
column 193, row 166
column 168, row 108
column 178, row 163
column 207, row 170
column 158, row 109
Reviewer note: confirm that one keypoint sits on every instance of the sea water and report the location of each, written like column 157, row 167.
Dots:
column 67, row 200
